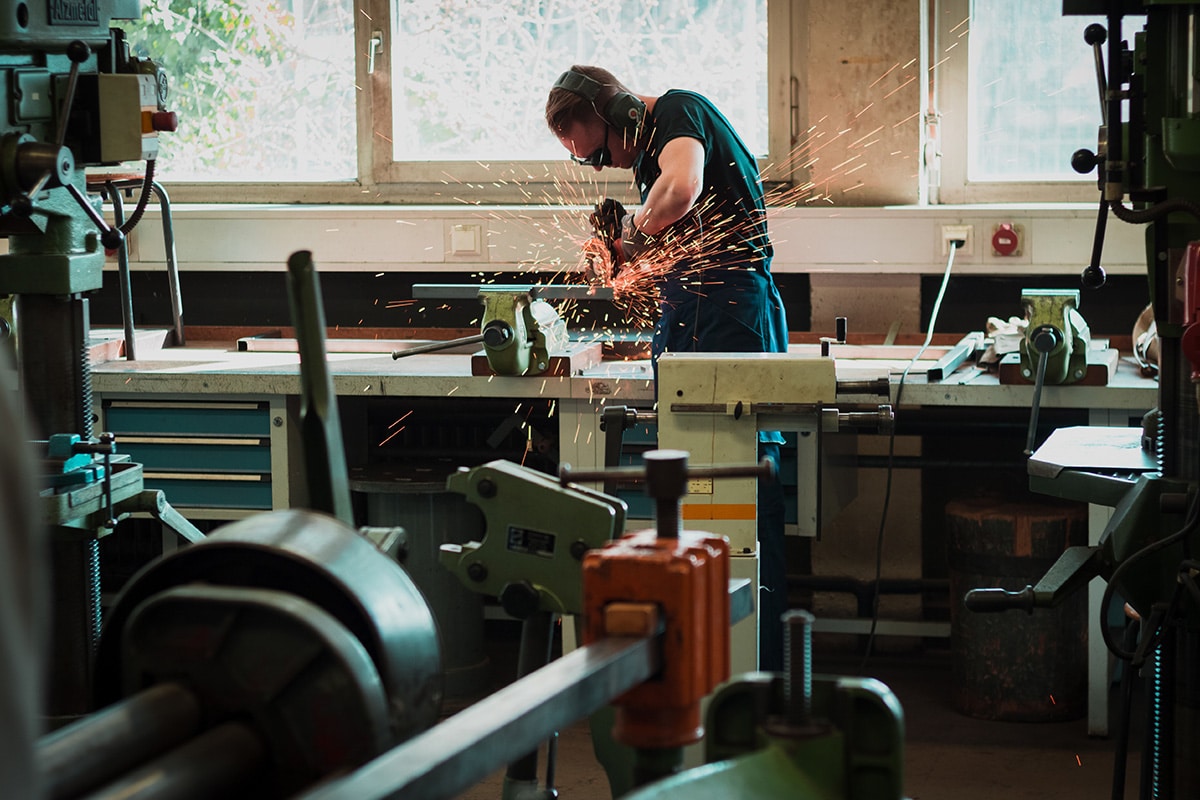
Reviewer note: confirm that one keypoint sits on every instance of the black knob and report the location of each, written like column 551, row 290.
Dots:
column 497, row 333
column 1092, row 277
column 78, row 51
column 1084, row 161
column 1045, row 338
column 21, row 205
column 520, row 599
column 579, row 549
column 112, row 239
column 1095, row 34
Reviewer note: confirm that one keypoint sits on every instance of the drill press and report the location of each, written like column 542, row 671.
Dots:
column 75, row 98
column 1149, row 173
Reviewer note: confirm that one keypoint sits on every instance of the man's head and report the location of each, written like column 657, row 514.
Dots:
column 595, row 117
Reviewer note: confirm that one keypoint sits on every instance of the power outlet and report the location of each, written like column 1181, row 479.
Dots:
column 952, row 233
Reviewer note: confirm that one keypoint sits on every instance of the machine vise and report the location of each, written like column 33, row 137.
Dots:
column 1056, row 342
column 520, row 331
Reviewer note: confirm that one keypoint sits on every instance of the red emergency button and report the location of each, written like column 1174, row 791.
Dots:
column 1005, row 241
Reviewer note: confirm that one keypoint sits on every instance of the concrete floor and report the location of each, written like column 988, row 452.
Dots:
column 948, row 756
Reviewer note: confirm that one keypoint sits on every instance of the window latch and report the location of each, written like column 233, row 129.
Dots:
column 374, row 46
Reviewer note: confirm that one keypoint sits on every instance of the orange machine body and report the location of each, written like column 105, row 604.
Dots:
column 687, row 579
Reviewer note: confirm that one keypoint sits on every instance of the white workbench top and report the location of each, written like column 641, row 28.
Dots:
column 220, row 368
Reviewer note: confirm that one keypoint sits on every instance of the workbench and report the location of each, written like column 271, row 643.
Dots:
column 257, row 393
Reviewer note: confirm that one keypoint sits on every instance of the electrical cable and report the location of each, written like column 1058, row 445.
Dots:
column 887, row 491
column 143, row 199
column 1121, row 754
column 1189, row 525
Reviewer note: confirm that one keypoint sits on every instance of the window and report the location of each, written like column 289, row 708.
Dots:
column 1018, row 95
column 264, row 90
column 469, row 79
column 466, row 85
column 426, row 100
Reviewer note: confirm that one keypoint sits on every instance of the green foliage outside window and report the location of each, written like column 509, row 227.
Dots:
column 264, row 90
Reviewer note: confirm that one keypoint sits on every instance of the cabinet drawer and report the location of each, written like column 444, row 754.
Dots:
column 164, row 417
column 250, row 454
column 212, row 491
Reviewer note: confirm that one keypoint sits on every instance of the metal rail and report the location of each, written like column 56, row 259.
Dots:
column 467, row 747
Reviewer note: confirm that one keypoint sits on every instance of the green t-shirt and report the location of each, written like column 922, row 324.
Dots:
column 724, row 238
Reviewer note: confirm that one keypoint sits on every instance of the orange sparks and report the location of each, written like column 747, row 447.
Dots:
column 392, row 435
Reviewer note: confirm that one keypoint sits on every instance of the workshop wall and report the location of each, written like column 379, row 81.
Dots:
column 858, row 73
column 870, row 303
column 862, row 263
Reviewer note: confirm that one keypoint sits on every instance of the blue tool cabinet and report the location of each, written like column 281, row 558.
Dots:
column 204, row 455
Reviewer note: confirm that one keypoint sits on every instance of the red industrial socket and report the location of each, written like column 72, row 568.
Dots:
column 1006, row 240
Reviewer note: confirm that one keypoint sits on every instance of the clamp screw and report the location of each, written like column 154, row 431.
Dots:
column 477, row 572
column 579, row 549
column 797, row 654
column 486, row 488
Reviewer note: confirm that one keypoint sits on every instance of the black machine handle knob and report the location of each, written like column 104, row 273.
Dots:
column 992, row 600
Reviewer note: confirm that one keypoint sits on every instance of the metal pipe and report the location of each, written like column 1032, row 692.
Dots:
column 1031, row 440
column 454, row 755
column 875, row 386
column 168, row 229
column 434, row 347
column 214, row 764
column 112, row 741
column 763, row 469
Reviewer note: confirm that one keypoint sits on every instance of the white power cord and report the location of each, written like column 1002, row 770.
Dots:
column 887, row 492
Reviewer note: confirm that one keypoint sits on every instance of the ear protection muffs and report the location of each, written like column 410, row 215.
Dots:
column 624, row 111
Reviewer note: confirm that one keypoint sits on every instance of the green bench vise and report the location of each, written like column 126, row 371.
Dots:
column 535, row 536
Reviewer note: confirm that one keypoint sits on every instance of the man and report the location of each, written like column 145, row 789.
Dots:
column 701, row 234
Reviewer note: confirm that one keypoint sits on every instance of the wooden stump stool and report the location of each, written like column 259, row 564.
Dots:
column 1012, row 665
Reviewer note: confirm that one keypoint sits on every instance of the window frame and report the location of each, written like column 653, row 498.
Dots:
column 951, row 81
column 380, row 180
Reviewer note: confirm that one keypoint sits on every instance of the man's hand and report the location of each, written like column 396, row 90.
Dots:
column 633, row 241
column 607, row 218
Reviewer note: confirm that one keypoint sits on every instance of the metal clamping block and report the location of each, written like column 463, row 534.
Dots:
column 681, row 584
